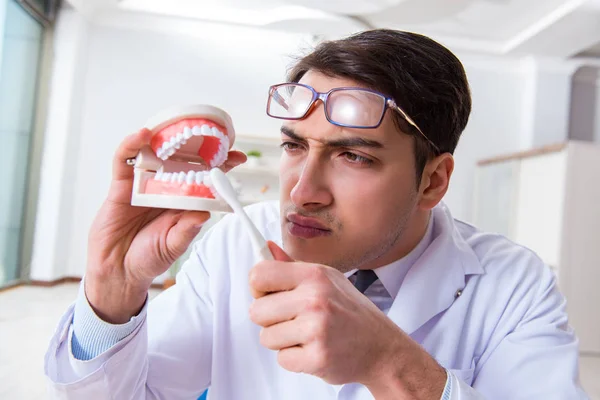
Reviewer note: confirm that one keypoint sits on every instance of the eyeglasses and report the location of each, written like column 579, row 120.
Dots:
column 346, row 106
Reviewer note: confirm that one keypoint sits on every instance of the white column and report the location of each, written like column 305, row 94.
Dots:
column 547, row 102
column 552, row 101
column 585, row 104
column 61, row 142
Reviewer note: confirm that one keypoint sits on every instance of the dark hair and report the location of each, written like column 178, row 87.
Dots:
column 424, row 78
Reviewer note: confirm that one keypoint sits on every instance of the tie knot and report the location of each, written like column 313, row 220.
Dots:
column 364, row 279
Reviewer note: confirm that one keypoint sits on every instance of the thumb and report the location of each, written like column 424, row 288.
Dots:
column 185, row 230
column 278, row 253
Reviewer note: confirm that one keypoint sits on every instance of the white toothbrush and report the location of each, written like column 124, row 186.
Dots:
column 224, row 188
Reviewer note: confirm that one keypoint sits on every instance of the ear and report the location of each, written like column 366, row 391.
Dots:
column 435, row 180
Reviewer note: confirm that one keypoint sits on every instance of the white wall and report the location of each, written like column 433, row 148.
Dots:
column 497, row 124
column 517, row 105
column 126, row 76
column 133, row 74
column 130, row 72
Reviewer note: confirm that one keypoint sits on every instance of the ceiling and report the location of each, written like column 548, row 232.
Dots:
column 559, row 28
column 593, row 51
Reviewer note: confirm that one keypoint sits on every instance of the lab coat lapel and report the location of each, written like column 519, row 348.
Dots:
column 432, row 283
column 273, row 232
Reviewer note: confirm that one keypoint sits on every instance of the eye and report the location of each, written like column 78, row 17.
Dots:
column 354, row 158
column 290, row 146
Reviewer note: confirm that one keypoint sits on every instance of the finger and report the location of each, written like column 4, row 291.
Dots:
column 276, row 307
column 284, row 335
column 129, row 148
column 278, row 253
column 256, row 294
column 234, row 158
column 276, row 276
column 293, row 359
column 185, row 230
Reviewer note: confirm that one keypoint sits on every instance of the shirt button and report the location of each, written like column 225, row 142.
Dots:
column 458, row 293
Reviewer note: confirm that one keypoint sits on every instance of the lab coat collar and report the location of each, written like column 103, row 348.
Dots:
column 392, row 275
column 437, row 277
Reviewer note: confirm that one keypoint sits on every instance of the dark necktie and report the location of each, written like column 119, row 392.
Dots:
column 364, row 279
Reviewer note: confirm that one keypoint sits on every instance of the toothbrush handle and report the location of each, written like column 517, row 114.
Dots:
column 257, row 239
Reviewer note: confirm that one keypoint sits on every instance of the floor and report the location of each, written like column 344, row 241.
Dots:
column 28, row 317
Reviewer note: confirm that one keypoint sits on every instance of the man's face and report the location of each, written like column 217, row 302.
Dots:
column 344, row 204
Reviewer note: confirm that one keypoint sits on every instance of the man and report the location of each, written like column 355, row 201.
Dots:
column 376, row 291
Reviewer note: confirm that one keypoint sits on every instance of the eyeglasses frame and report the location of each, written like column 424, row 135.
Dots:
column 323, row 96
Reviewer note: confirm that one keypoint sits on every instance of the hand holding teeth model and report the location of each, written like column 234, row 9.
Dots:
column 173, row 172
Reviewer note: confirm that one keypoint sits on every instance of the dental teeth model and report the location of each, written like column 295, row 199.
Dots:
column 173, row 172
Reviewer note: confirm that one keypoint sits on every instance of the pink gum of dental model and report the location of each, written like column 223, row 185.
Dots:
column 173, row 172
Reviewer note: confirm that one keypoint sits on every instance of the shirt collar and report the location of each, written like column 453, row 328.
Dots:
column 392, row 275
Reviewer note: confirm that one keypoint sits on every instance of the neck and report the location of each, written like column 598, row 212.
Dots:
column 411, row 235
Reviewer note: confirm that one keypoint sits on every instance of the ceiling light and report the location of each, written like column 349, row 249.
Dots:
column 354, row 7
column 212, row 12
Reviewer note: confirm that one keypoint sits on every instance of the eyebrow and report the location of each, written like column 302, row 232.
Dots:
column 354, row 141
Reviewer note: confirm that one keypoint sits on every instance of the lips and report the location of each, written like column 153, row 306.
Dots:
column 306, row 222
column 306, row 228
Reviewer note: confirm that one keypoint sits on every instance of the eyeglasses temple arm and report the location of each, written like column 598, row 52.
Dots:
column 280, row 100
column 392, row 104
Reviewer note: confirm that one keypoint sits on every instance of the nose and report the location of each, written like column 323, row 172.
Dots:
column 311, row 190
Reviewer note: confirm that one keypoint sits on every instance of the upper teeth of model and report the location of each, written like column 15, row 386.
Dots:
column 174, row 143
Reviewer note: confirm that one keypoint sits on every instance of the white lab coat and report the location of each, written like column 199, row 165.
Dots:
column 483, row 307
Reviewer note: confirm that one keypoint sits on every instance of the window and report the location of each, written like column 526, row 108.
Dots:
column 20, row 47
